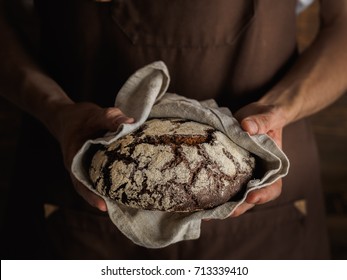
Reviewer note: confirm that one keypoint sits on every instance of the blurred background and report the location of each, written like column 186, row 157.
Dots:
column 330, row 127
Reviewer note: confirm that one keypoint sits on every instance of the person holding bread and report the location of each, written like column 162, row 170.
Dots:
column 243, row 54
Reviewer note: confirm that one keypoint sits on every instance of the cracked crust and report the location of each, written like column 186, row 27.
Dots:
column 172, row 165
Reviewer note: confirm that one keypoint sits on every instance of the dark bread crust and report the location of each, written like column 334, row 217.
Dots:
column 170, row 170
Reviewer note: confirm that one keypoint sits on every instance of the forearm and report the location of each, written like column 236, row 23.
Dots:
column 23, row 83
column 317, row 79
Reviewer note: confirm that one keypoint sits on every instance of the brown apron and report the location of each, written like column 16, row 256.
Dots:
column 232, row 51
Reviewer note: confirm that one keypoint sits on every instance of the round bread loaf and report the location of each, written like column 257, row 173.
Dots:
column 172, row 165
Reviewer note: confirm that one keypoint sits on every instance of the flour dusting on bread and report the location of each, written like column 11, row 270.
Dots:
column 171, row 165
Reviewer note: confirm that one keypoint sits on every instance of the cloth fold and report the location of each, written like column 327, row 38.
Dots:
column 144, row 96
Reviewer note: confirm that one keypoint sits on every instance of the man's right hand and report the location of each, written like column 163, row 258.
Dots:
column 73, row 125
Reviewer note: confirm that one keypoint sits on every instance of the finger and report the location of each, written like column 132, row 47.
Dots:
column 242, row 208
column 250, row 126
column 265, row 194
column 117, row 121
column 257, row 124
column 262, row 124
column 111, row 118
column 93, row 199
column 272, row 119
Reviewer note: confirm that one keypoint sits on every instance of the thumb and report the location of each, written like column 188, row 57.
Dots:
column 257, row 124
column 111, row 118
column 261, row 124
column 250, row 126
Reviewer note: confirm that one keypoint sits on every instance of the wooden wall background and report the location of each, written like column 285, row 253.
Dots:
column 330, row 126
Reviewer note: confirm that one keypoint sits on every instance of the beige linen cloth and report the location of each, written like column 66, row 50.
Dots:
column 144, row 96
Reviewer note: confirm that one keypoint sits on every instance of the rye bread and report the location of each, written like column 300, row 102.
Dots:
column 172, row 165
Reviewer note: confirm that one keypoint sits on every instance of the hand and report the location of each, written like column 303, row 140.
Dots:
column 76, row 123
column 257, row 118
